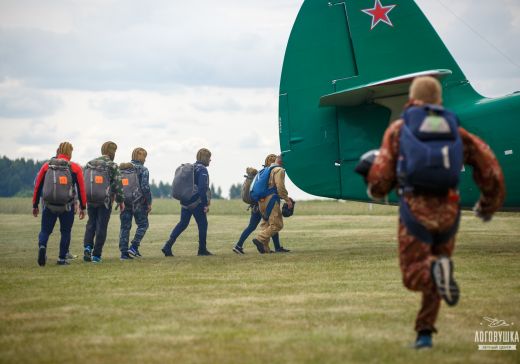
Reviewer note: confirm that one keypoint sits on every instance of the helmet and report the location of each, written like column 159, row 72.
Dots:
column 286, row 211
column 139, row 154
column 365, row 162
column 109, row 148
column 204, row 156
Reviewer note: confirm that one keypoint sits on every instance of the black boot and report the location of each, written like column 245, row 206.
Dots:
column 167, row 249
column 204, row 252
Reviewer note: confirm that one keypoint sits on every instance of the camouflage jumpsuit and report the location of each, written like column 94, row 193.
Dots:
column 274, row 224
column 436, row 213
column 139, row 211
column 99, row 216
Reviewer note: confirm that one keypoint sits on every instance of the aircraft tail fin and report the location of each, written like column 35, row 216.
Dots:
column 392, row 38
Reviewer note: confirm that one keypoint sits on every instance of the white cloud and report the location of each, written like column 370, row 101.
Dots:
column 17, row 101
column 482, row 37
column 253, row 140
column 133, row 44
column 168, row 125
column 173, row 76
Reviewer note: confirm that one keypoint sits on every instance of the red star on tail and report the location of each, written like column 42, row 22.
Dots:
column 379, row 13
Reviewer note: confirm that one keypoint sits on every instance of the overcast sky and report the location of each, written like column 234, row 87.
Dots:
column 173, row 76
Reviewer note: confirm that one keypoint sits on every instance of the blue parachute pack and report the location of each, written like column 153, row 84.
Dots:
column 431, row 151
column 260, row 189
column 430, row 161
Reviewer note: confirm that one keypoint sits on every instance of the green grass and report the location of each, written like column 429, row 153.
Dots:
column 18, row 205
column 336, row 298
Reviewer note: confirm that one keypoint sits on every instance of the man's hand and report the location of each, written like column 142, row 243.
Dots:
column 122, row 207
column 289, row 203
column 36, row 211
column 365, row 163
column 149, row 209
column 206, row 209
column 81, row 214
column 477, row 209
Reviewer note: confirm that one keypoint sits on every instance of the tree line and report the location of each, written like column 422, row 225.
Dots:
column 164, row 190
column 17, row 180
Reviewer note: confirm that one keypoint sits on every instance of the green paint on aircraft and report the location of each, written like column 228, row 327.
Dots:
column 346, row 73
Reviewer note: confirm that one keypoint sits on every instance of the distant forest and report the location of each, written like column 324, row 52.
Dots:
column 17, row 176
column 17, row 180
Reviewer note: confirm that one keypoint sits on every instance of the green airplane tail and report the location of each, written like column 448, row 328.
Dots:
column 389, row 39
column 346, row 73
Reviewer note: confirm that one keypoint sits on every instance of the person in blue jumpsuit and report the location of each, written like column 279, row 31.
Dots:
column 198, row 210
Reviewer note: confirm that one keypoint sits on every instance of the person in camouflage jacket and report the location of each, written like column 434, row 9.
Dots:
column 139, row 210
column 99, row 216
column 425, row 266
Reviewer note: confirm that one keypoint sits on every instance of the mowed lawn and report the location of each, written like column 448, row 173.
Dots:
column 337, row 297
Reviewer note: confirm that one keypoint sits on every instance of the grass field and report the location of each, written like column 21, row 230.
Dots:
column 336, row 298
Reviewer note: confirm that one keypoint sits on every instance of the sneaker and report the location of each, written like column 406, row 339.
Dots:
column 134, row 251
column 442, row 271
column 204, row 253
column 259, row 246
column 238, row 249
column 42, row 256
column 62, row 262
column 423, row 342
column 282, row 250
column 70, row 256
column 126, row 256
column 96, row 259
column 87, row 254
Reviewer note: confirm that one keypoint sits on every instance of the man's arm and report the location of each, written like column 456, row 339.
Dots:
column 279, row 181
column 80, row 184
column 382, row 176
column 203, row 184
column 145, row 186
column 116, row 186
column 38, row 185
column 486, row 172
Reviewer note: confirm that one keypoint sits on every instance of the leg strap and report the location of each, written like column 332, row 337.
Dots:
column 419, row 231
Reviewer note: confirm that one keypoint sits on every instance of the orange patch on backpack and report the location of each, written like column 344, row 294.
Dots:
column 63, row 180
column 98, row 179
column 125, row 181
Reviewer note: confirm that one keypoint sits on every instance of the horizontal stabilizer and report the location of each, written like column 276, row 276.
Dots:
column 371, row 92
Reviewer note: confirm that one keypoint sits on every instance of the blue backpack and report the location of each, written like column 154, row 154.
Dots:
column 260, row 185
column 430, row 149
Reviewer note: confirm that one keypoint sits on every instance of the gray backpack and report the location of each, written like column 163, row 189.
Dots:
column 131, row 186
column 97, row 183
column 183, row 186
column 58, row 189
